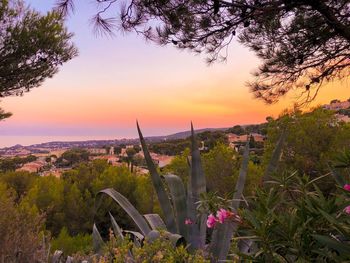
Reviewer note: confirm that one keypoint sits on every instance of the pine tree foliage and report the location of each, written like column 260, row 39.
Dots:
column 32, row 47
column 301, row 43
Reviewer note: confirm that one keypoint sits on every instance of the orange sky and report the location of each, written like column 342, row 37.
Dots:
column 115, row 81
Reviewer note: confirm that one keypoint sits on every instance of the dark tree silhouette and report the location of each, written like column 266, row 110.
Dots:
column 4, row 114
column 32, row 46
column 302, row 43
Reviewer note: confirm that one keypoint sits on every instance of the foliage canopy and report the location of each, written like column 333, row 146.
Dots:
column 32, row 46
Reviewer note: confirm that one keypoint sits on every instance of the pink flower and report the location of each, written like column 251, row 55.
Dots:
column 222, row 214
column 347, row 209
column 188, row 222
column 211, row 221
column 347, row 187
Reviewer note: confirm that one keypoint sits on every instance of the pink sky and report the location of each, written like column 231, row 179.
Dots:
column 115, row 81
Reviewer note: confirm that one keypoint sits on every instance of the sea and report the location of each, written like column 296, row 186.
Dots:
column 8, row 141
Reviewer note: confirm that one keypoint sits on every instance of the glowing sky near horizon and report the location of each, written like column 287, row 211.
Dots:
column 116, row 80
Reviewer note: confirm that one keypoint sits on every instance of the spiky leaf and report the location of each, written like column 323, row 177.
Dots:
column 276, row 155
column 193, row 229
column 163, row 197
column 128, row 208
column 222, row 235
column 178, row 195
column 198, row 184
column 116, row 228
column 97, row 240
column 337, row 176
column 155, row 221
column 342, row 248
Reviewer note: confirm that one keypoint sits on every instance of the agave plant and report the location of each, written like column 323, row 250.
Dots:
column 178, row 203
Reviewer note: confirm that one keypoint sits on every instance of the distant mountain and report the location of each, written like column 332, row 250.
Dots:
column 182, row 135
column 100, row 143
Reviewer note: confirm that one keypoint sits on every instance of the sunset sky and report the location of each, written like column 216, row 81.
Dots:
column 116, row 80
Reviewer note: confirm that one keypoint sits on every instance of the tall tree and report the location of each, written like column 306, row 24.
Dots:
column 32, row 46
column 302, row 43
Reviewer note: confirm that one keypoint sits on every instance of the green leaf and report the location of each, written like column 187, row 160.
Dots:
column 178, row 195
column 198, row 184
column 128, row 208
column 222, row 234
column 343, row 249
column 163, row 197
column 198, row 181
column 97, row 240
column 276, row 155
column 116, row 228
column 193, row 229
column 155, row 221
column 337, row 177
column 136, row 237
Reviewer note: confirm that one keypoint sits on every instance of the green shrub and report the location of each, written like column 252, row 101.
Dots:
column 72, row 244
column 158, row 250
column 293, row 221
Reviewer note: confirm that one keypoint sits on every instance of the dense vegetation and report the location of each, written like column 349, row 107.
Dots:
column 11, row 164
column 67, row 203
column 301, row 201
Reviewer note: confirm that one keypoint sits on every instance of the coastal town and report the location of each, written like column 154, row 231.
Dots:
column 48, row 158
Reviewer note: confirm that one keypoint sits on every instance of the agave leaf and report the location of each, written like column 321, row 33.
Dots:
column 97, row 240
column 128, row 208
column 136, row 237
column 276, row 155
column 153, row 235
column 342, row 248
column 155, row 221
column 175, row 239
column 163, row 197
column 197, row 175
column 193, row 229
column 337, row 177
column 118, row 232
column 222, row 235
column 198, row 184
column 57, row 255
column 178, row 195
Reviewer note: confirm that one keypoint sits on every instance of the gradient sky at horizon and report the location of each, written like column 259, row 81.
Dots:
column 116, row 80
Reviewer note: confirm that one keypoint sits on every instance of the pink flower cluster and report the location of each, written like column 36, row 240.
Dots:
column 221, row 216
column 347, row 187
column 188, row 221
column 347, row 209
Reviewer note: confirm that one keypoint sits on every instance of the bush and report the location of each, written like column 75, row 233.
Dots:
column 158, row 250
column 21, row 237
column 293, row 221
column 72, row 244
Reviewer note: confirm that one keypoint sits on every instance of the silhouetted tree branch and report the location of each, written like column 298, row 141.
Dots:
column 4, row 114
column 302, row 43
column 32, row 46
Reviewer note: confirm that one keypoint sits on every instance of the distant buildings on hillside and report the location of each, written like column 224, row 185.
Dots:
column 236, row 141
column 341, row 107
column 337, row 105
column 159, row 159
column 33, row 167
